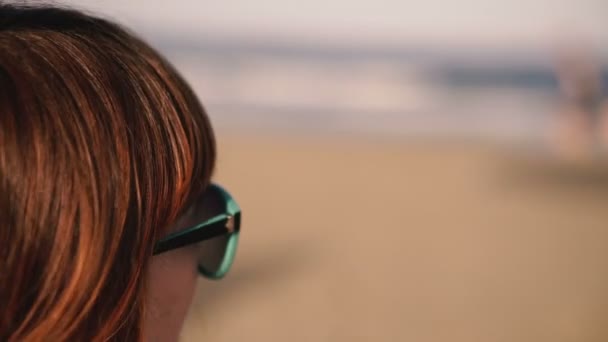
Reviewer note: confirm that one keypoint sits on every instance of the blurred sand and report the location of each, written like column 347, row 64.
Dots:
column 368, row 241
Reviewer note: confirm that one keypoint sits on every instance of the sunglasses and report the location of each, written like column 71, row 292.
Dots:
column 212, row 223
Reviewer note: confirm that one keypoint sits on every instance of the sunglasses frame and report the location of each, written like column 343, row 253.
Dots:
column 228, row 222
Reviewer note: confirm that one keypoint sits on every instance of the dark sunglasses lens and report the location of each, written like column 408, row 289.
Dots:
column 211, row 251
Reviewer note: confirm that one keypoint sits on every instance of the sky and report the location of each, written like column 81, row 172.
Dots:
column 441, row 21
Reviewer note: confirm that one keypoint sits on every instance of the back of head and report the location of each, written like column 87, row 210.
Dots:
column 101, row 145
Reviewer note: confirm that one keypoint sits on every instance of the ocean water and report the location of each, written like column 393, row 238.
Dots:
column 386, row 92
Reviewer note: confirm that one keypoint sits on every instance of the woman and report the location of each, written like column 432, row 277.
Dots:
column 106, row 207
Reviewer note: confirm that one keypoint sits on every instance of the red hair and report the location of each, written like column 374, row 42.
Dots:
column 102, row 144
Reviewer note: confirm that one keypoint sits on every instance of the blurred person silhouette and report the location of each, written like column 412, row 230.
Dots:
column 582, row 128
column 107, row 212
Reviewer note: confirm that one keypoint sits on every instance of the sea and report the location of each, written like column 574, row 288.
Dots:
column 384, row 91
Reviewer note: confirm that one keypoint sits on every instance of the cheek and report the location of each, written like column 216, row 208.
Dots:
column 172, row 281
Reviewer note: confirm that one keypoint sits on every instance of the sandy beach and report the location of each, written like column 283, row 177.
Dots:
column 361, row 240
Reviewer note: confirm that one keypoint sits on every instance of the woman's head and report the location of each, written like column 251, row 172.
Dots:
column 102, row 146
